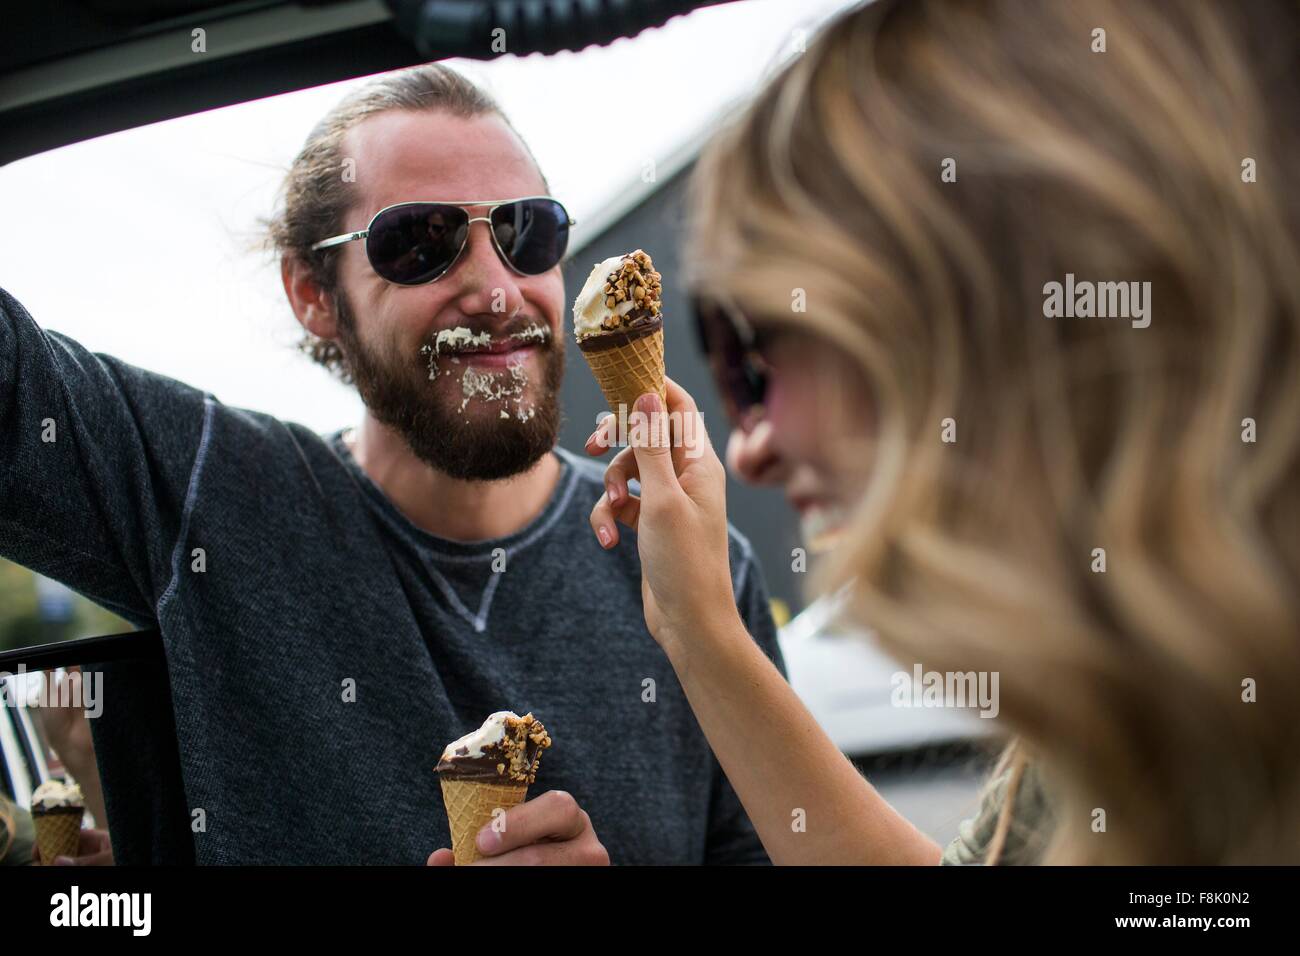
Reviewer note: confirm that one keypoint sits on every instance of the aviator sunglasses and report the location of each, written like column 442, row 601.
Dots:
column 411, row 243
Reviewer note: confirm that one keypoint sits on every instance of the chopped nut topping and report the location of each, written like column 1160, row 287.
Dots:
column 634, row 280
column 521, row 759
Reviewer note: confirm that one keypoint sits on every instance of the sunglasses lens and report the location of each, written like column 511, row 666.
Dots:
column 532, row 234
column 740, row 381
column 417, row 242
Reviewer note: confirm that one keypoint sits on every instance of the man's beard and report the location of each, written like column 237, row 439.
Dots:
column 399, row 393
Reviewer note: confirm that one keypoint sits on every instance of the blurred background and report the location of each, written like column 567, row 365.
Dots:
column 174, row 285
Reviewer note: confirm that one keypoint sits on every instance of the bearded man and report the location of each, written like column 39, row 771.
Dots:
column 335, row 608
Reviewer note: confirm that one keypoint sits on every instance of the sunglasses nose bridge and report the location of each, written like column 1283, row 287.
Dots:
column 492, row 235
column 495, row 239
column 494, row 243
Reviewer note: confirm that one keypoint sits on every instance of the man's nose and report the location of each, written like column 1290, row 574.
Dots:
column 482, row 264
column 487, row 284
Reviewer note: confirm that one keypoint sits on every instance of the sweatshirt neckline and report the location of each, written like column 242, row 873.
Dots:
column 447, row 548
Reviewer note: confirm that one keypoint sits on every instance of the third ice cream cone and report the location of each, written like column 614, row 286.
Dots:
column 57, row 809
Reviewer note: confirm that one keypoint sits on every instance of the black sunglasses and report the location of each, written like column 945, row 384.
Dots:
column 411, row 243
column 734, row 348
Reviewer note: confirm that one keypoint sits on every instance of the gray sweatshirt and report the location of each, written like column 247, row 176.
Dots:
column 320, row 648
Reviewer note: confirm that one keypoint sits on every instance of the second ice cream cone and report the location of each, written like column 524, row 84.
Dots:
column 487, row 770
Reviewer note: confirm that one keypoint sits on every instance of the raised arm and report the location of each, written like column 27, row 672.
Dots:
column 95, row 457
column 808, row 803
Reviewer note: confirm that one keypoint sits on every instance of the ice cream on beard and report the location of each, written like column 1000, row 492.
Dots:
column 500, row 385
column 460, row 339
column 453, row 340
column 506, row 749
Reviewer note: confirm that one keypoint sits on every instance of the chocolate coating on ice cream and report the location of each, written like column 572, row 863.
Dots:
column 638, row 327
column 506, row 749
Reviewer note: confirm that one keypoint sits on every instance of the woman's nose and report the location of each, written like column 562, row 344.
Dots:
column 752, row 455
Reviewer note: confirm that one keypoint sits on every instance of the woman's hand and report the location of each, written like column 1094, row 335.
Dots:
column 680, row 516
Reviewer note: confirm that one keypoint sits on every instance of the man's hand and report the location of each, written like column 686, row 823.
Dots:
column 551, row 830
column 94, row 849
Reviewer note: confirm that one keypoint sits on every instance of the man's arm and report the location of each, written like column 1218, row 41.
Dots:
column 95, row 459
column 732, row 838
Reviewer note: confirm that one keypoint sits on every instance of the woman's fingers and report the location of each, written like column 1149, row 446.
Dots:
column 669, row 451
column 621, row 469
column 686, row 434
column 602, row 439
column 605, row 517
column 652, row 445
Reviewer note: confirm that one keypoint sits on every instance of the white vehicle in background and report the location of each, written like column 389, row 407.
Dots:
column 928, row 762
column 849, row 684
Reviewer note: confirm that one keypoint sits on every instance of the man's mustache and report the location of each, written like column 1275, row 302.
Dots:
column 461, row 339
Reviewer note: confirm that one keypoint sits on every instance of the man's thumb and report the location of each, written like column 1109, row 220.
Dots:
column 651, row 441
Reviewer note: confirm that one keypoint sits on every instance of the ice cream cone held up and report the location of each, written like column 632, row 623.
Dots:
column 619, row 328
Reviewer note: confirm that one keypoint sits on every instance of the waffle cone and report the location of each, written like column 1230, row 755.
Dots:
column 57, row 834
column 469, row 806
column 628, row 371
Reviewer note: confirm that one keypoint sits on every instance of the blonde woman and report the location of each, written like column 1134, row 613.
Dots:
column 891, row 247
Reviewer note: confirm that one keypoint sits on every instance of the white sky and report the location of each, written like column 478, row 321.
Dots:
column 135, row 244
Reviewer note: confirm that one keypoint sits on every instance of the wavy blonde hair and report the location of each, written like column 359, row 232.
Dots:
column 1130, row 686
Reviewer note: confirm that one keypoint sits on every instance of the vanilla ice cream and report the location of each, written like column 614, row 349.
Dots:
column 460, row 338
column 506, row 747
column 589, row 308
column 54, row 794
